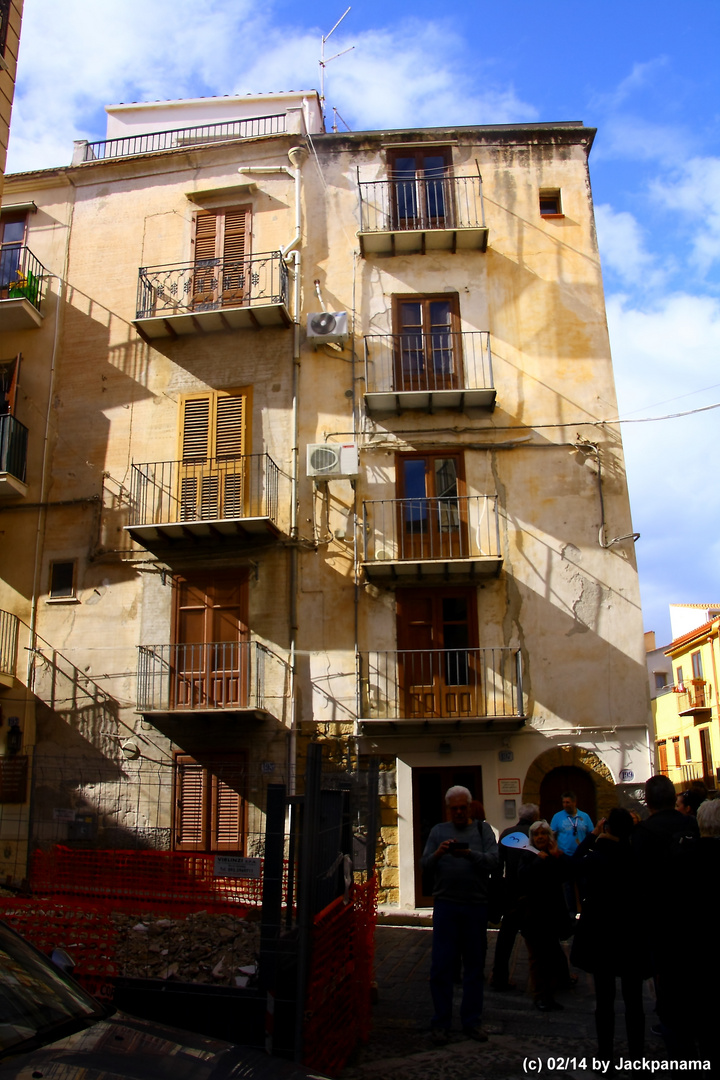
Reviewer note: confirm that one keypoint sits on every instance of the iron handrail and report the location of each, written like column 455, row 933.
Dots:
column 13, row 447
column 439, row 360
column 211, row 285
column 154, row 141
column 421, row 203
column 205, row 489
column 426, row 528
column 8, row 643
column 22, row 275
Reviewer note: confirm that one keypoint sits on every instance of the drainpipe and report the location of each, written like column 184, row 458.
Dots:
column 291, row 255
column 297, row 155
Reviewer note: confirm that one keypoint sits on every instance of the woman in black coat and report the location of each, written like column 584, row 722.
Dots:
column 545, row 919
column 611, row 938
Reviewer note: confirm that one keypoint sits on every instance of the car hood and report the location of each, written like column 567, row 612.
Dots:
column 122, row 1048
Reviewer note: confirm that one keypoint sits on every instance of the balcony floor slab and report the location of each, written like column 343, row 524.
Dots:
column 17, row 313
column 420, row 241
column 186, row 323
column 400, row 572
column 387, row 402
column 11, row 487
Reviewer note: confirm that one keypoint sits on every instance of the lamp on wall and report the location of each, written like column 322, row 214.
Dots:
column 13, row 740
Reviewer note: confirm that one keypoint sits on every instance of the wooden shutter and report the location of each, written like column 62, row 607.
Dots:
column 195, row 429
column 210, row 804
column 212, row 440
column 229, row 423
column 191, row 824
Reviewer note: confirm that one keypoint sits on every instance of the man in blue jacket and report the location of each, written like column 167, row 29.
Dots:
column 461, row 854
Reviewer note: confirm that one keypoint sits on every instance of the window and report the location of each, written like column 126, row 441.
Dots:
column 676, row 749
column 428, row 344
column 9, row 373
column 62, row 580
column 432, row 510
column 660, row 680
column 706, row 757
column 210, row 804
column 688, row 755
column 662, row 765
column 550, row 203
column 420, row 188
column 437, row 662
column 697, row 667
column 4, row 24
column 12, row 238
column 222, row 250
column 679, row 678
column 212, row 446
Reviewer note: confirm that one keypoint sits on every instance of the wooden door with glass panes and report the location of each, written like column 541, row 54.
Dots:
column 432, row 510
column 421, row 194
column 427, row 343
column 212, row 642
column 438, row 669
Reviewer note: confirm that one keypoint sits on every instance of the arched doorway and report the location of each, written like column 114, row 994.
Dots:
column 567, row 778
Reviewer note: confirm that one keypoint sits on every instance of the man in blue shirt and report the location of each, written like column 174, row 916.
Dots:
column 570, row 825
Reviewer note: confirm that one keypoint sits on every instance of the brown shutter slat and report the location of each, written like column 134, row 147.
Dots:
column 191, row 808
column 229, row 426
column 196, row 429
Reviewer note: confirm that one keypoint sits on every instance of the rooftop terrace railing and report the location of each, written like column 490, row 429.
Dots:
column 154, row 141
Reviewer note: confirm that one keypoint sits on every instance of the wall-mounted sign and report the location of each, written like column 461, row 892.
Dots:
column 506, row 755
column 509, row 786
column 13, row 779
column 626, row 776
column 267, row 766
column 61, row 813
column 236, row 866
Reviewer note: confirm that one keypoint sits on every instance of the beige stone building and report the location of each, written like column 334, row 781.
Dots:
column 320, row 446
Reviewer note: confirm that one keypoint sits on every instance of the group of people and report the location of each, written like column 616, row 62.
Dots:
column 617, row 889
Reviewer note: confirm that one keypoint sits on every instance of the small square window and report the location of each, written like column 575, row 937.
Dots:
column 62, row 580
column 660, row 680
column 550, row 203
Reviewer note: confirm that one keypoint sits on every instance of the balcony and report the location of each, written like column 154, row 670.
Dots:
column 181, row 299
column 466, row 687
column 441, row 370
column 13, row 457
column 208, row 677
column 8, row 647
column 231, row 501
column 431, row 540
column 694, row 700
column 154, row 142
column 403, row 217
column 22, row 282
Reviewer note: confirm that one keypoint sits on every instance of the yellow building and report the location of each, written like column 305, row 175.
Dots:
column 313, row 444
column 687, row 735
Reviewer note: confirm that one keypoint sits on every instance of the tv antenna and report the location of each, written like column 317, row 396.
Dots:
column 324, row 62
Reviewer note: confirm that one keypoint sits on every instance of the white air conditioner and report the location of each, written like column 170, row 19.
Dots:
column 327, row 328
column 332, row 461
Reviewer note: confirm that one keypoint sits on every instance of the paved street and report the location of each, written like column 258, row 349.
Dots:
column 400, row 1047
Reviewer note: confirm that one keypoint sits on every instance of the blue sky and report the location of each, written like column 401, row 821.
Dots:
column 645, row 74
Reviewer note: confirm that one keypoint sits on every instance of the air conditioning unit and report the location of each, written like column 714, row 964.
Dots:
column 332, row 461
column 327, row 328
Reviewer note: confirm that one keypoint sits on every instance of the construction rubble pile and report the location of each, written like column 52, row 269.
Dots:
column 199, row 948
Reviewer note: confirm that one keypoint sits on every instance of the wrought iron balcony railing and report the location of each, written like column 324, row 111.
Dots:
column 428, row 363
column 693, row 695
column 211, row 285
column 418, row 530
column 13, row 447
column 420, row 204
column 234, row 675
column 441, row 684
column 22, row 276
column 8, row 644
column 154, row 141
column 211, row 489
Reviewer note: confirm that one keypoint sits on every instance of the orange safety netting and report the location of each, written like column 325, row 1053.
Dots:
column 338, row 1002
column 170, row 881
column 87, row 935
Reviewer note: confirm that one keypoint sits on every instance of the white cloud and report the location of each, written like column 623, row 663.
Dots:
column 635, row 139
column 666, row 361
column 639, row 77
column 125, row 50
column 695, row 192
column 622, row 247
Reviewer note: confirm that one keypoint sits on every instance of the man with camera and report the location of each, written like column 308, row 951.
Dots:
column 461, row 854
